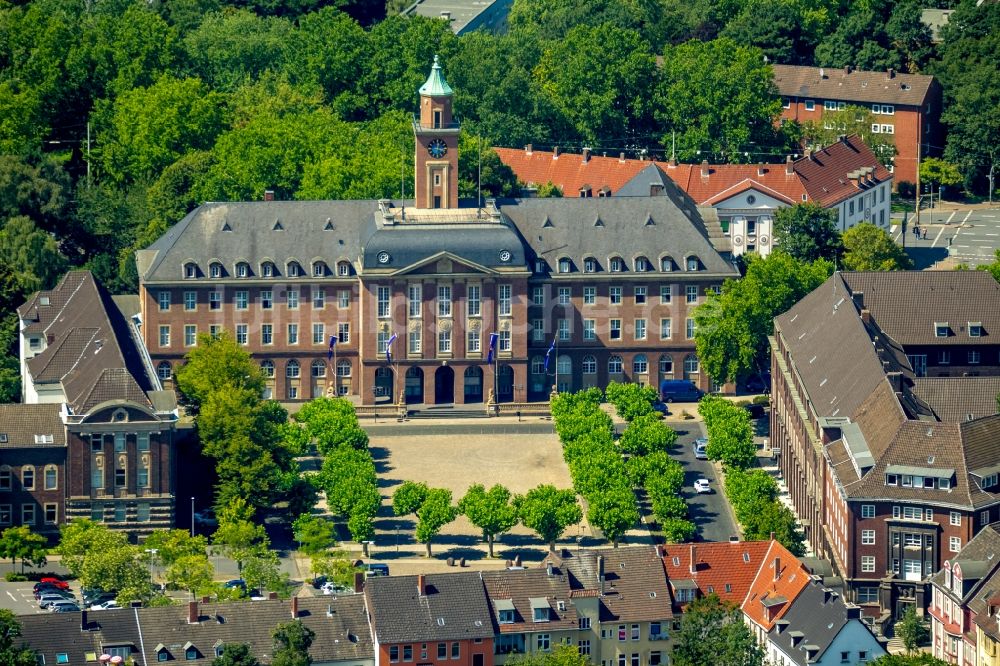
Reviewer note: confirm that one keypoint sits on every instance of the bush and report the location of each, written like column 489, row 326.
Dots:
column 906, row 190
column 678, row 530
column 631, row 400
column 14, row 577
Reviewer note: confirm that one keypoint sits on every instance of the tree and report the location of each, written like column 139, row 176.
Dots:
column 807, row 232
column 631, row 400
column 261, row 570
column 20, row 543
column 237, row 536
column 548, row 511
column 236, row 654
column 911, row 630
column 992, row 268
column 713, row 632
column 315, row 534
column 869, row 248
column 121, row 569
column 718, row 97
column 647, row 434
column 32, row 254
column 730, row 439
column 732, row 328
column 12, row 655
column 613, row 512
column 332, row 422
column 81, row 538
column 480, row 170
column 171, row 545
column 232, row 46
column 939, row 172
column 677, row 530
column 193, row 573
column 409, row 497
column 291, row 644
column 779, row 29
column 561, row 655
column 336, row 567
column 215, row 362
column 435, row 512
column 774, row 518
column 921, row 659
column 490, row 510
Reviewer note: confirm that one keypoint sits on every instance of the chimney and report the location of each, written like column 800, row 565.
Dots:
column 777, row 568
column 527, row 149
column 586, row 155
column 655, row 189
column 83, row 620
column 193, row 615
column 854, row 612
column 704, row 168
column 272, row 595
column 549, row 569
column 268, row 195
column 866, row 315
column 295, row 608
column 760, row 170
column 847, row 69
column 600, row 572
column 890, row 73
column 621, row 157
column 359, row 582
column 827, row 594
column 822, row 73
column 659, row 550
column 859, row 299
column 555, row 153
column 421, row 585
column 895, row 381
column 789, row 168
column 693, row 568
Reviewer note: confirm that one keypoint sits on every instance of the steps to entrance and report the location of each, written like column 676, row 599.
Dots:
column 446, row 412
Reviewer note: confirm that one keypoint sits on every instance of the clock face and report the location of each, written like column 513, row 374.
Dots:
column 383, row 257
column 504, row 255
column 437, row 148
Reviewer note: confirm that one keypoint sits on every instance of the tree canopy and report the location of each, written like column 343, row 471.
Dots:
column 807, row 232
column 869, row 248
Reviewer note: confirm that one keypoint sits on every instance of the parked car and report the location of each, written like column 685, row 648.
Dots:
column 49, row 589
column 701, row 448
column 376, row 569
column 756, row 411
column 679, row 390
column 333, row 588
column 206, row 518
column 702, row 486
column 52, row 582
column 48, row 600
column 104, row 605
column 661, row 407
column 97, row 596
column 64, row 607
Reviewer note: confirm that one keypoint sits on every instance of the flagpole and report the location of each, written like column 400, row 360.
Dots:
column 557, row 362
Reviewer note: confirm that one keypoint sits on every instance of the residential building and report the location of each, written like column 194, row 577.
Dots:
column 433, row 619
column 95, row 435
column 845, row 177
column 465, row 16
column 196, row 633
column 778, row 583
column 399, row 301
column 725, row 569
column 965, row 598
column 889, row 476
column 907, row 106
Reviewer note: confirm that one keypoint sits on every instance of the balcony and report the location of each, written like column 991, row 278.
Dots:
column 444, row 128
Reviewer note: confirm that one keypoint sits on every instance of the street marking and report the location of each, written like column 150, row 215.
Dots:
column 948, row 221
column 993, row 234
column 962, row 246
column 11, row 595
column 938, row 237
column 967, row 216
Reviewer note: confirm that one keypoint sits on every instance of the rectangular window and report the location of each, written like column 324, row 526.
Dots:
column 538, row 295
column 640, row 329
column 640, row 295
column 190, row 335
column 442, row 651
column 583, row 647
column 563, row 328
column 955, row 544
column 473, row 343
column 344, row 298
column 589, row 330
column 190, row 300
column 473, row 302
column 616, row 329
column 868, row 563
column 163, row 298
column 665, row 291
column 292, row 299
column 691, row 293
column 615, row 295
column 414, row 341
column 984, row 517
column 51, row 479
column 564, row 295
column 267, row 334
column 164, row 336
column 829, row 105
column 542, row 642
column 635, row 632
column 382, row 296
column 810, row 105
column 343, row 333
column 142, row 477
column 975, row 330
column 393, row 653
column 538, row 330
column 456, row 650
column 96, row 472
column 954, row 518
column 319, row 298
column 142, row 512
column 867, row 510
column 944, row 357
column 27, row 514
column 503, row 341
column 503, row 300
column 293, row 334
column 51, row 514
column 444, row 300
column 689, row 328
column 319, row 334
column 589, row 295
column 444, row 342
column 867, row 537
column 241, row 334
column 242, row 299
column 407, row 653
column 5, row 514
column 119, row 477
column 974, row 358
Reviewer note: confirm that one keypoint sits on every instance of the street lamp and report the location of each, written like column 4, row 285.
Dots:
column 192, row 516
column 152, row 555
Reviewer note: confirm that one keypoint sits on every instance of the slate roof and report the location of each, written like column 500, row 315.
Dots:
column 635, row 586
column 862, row 87
column 826, row 173
column 986, row 593
column 717, row 565
column 454, row 607
column 820, row 614
column 775, row 591
column 20, row 423
column 907, row 304
column 978, row 560
column 955, row 398
column 90, row 350
column 340, row 624
column 519, row 587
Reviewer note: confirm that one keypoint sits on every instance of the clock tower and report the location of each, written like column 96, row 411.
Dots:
column 436, row 132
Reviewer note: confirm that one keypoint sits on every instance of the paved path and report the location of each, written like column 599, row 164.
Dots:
column 952, row 237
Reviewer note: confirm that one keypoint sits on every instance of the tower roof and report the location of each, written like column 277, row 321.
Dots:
column 435, row 85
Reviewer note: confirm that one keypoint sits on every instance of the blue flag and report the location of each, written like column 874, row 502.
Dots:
column 493, row 347
column 548, row 354
column 333, row 343
column 388, row 348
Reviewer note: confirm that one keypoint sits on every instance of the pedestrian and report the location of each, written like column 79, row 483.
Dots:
column 916, row 231
column 950, row 239
column 925, row 233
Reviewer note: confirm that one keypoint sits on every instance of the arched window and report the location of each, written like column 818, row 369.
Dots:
column 640, row 365
column 343, row 368
column 267, row 269
column 318, row 368
column 666, row 364
column 190, row 270
column 666, row 264
column 564, row 365
column 242, row 269
column 589, row 365
column 590, row 265
column 5, row 477
column 565, row 265
column 693, row 264
column 344, row 268
column 164, row 371
column 215, row 269
column 617, row 264
column 292, row 370
column 641, row 264
column 51, row 477
column 319, row 269
column 28, row 477
column 691, row 366
column 294, row 270
column 615, row 365
column 267, row 367
column 537, row 365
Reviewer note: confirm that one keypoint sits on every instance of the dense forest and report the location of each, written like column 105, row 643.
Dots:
column 119, row 116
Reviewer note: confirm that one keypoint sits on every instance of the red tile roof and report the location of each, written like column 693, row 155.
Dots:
column 772, row 592
column 726, row 180
column 726, row 569
column 826, row 173
column 569, row 171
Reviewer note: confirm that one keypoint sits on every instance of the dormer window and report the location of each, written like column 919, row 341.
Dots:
column 539, row 609
column 589, row 265
column 242, row 269
column 975, row 329
column 294, row 270
column 215, row 269
column 319, row 269
column 989, row 480
column 666, row 264
column 540, row 265
column 641, row 265
column 617, row 265
column 190, row 651
column 693, row 264
column 268, row 269
column 891, row 480
column 505, row 611
column 190, row 270
column 944, row 484
column 941, row 329
column 564, row 265
column 343, row 269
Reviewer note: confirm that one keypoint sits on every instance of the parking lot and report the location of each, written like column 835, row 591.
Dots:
column 19, row 599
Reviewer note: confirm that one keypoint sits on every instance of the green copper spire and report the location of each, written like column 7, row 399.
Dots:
column 436, row 86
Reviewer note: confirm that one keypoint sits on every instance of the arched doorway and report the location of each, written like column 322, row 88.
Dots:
column 444, row 385
column 414, row 385
column 383, row 384
column 473, row 384
column 505, row 384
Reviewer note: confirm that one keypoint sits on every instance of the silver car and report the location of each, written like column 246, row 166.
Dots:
column 64, row 606
column 47, row 600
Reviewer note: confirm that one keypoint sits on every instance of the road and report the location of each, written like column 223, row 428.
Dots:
column 963, row 236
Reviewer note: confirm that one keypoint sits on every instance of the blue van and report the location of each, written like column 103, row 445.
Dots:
column 679, row 390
